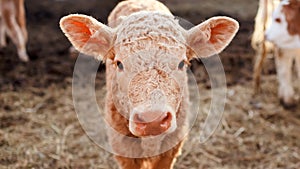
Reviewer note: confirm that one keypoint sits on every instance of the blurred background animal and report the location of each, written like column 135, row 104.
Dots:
column 277, row 32
column 13, row 24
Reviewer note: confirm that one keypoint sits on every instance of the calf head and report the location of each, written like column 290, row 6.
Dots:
column 284, row 30
column 147, row 57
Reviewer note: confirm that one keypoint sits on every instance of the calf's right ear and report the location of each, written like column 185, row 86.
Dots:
column 87, row 35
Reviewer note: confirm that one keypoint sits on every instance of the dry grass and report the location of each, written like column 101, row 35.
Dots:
column 39, row 129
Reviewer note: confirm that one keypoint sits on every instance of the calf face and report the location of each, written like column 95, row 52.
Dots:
column 149, row 53
column 284, row 30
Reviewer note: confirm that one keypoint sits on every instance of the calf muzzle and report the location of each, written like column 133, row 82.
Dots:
column 152, row 123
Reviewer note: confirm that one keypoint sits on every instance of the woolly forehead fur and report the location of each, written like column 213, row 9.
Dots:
column 147, row 40
column 143, row 29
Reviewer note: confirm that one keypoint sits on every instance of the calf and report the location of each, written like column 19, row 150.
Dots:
column 284, row 32
column 13, row 23
column 146, row 53
column 262, row 47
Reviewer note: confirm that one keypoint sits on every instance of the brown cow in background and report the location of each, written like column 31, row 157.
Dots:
column 13, row 24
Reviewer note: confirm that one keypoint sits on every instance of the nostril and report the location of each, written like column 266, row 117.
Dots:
column 138, row 119
column 165, row 123
column 167, row 118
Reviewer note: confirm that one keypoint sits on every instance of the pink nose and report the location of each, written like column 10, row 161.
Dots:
column 152, row 123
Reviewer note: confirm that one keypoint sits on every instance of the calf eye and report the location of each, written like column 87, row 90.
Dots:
column 120, row 65
column 278, row 20
column 181, row 64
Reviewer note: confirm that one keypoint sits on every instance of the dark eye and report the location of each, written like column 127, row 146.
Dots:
column 120, row 65
column 181, row 64
column 278, row 20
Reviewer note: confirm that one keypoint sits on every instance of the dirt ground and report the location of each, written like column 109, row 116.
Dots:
column 38, row 124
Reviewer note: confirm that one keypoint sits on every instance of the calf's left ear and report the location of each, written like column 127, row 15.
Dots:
column 87, row 35
column 211, row 37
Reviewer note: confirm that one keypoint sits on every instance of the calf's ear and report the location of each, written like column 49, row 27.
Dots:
column 211, row 37
column 87, row 35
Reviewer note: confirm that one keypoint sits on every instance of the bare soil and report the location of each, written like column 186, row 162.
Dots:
column 38, row 124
